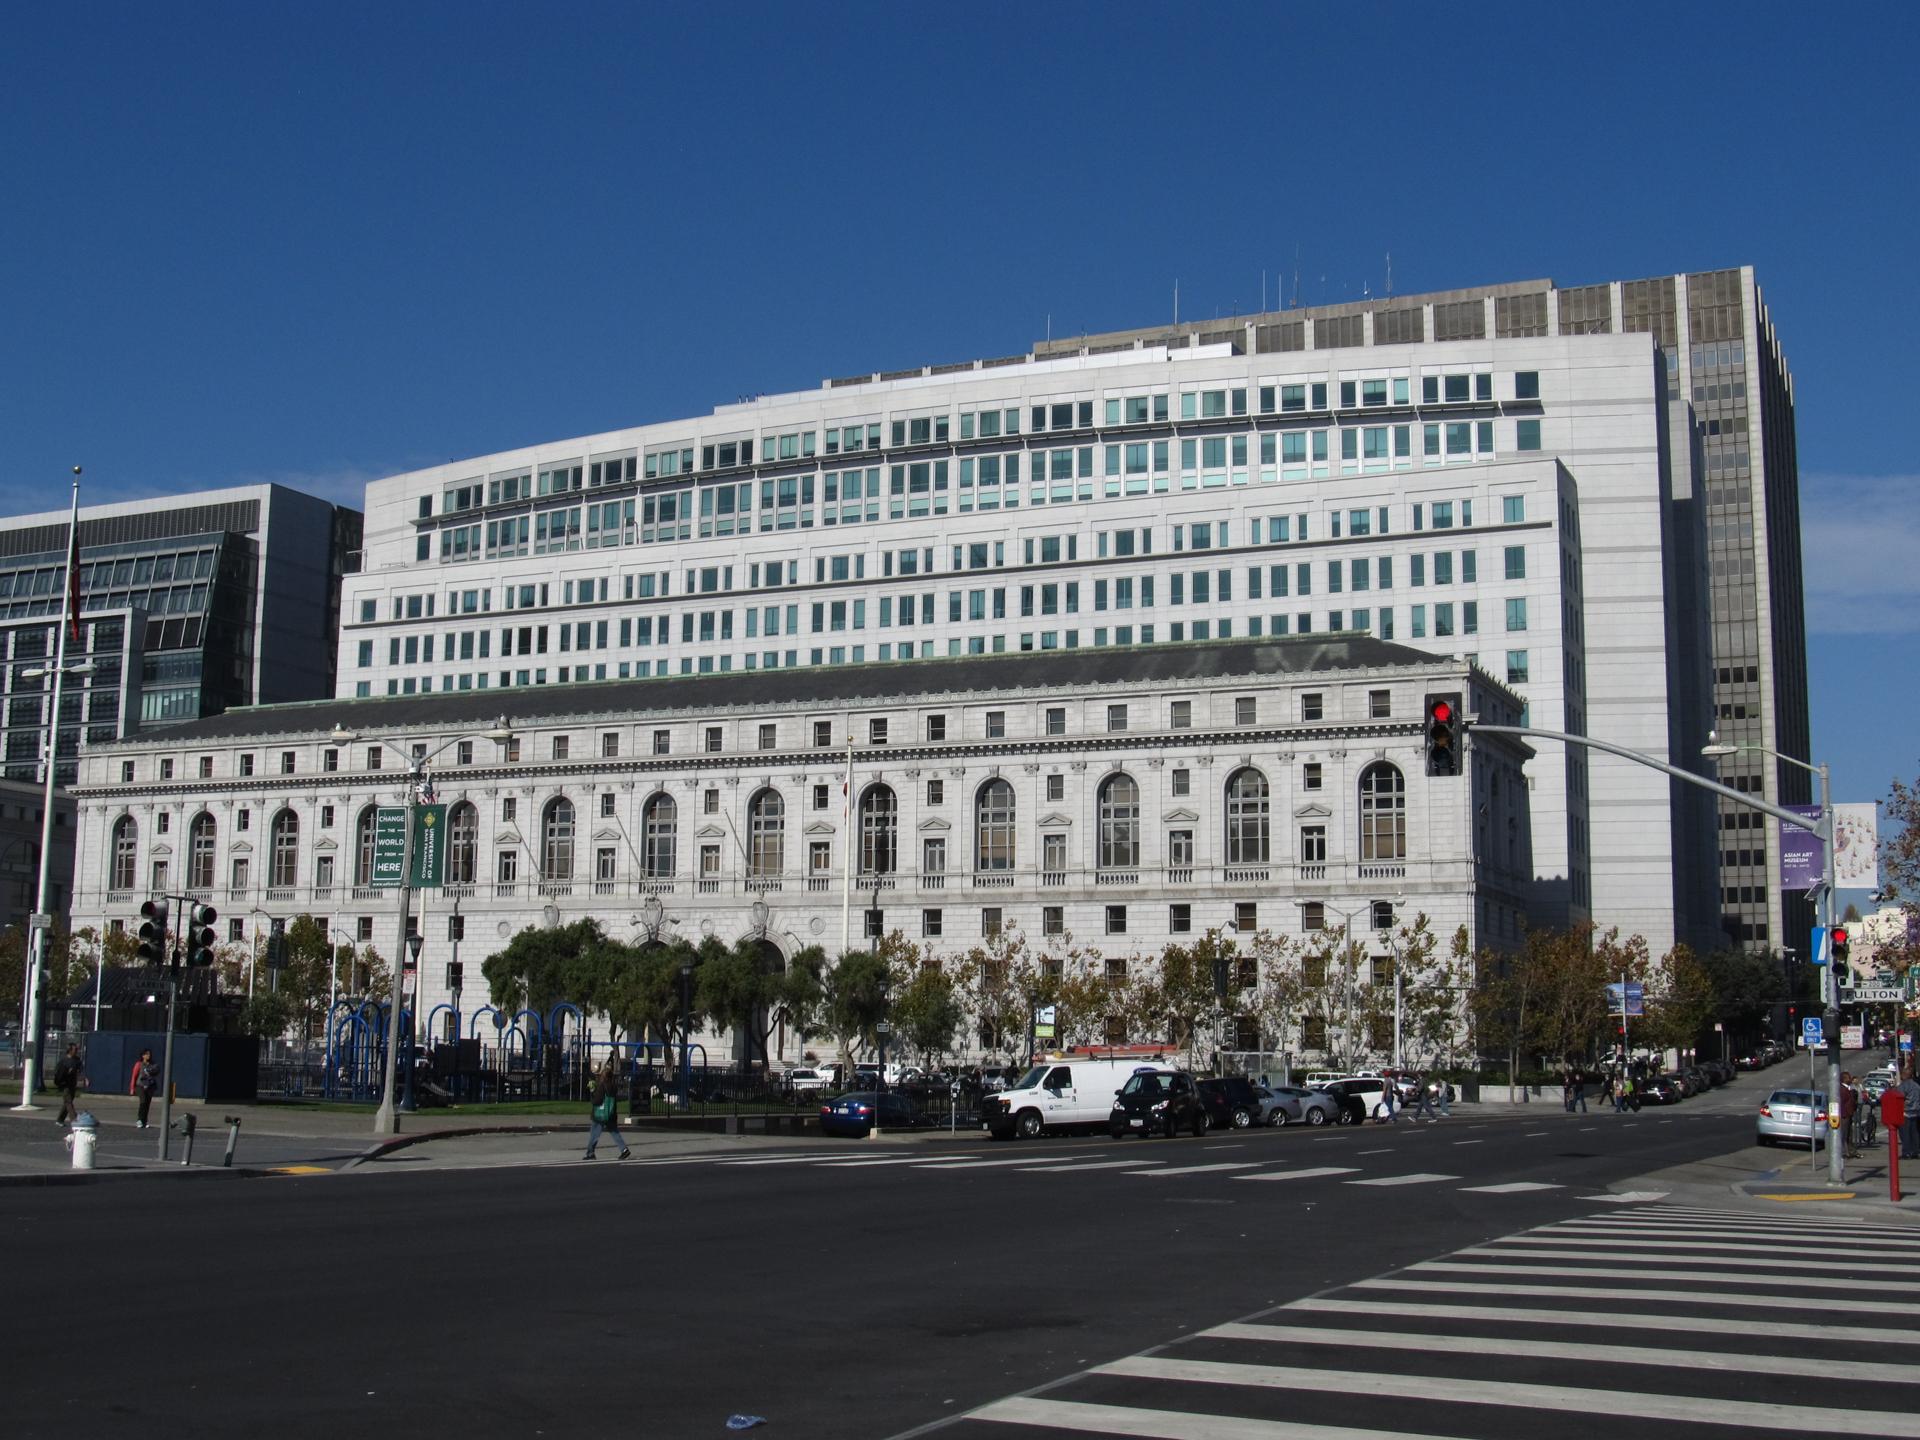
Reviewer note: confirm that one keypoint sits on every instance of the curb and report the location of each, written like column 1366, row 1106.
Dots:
column 402, row 1142
column 177, row 1172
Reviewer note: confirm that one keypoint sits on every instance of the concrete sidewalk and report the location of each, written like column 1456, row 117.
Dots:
column 1769, row 1181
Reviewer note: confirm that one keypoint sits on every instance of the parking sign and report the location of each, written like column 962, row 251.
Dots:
column 1810, row 1030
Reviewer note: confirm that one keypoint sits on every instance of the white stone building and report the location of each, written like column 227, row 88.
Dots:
column 1128, row 796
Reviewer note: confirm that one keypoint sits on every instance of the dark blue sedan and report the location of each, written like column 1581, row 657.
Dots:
column 852, row 1114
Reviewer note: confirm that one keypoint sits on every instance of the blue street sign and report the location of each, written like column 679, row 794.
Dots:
column 1810, row 1030
column 1906, row 1042
column 1822, row 945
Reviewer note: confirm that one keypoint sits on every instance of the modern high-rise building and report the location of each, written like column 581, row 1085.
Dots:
column 1516, row 475
column 190, row 605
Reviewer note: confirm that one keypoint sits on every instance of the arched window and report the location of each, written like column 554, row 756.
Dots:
column 363, row 847
column 879, row 831
column 283, row 856
column 1247, row 810
column 126, row 845
column 556, row 839
column 658, row 822
column 463, row 844
column 993, row 815
column 1119, row 823
column 1383, row 813
column 766, row 834
column 200, row 837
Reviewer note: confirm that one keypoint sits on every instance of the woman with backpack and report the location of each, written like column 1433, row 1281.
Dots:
column 146, row 1080
column 606, row 1108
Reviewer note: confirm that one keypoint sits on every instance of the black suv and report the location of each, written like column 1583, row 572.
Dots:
column 1230, row 1102
column 1157, row 1102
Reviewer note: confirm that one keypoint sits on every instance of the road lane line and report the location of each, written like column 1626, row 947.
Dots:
column 1423, row 1177
column 1200, row 1169
column 1714, row 1277
column 1310, row 1174
column 1512, row 1187
column 1632, row 1197
column 1614, row 1404
column 1800, row 1245
column 1096, row 1165
column 1748, row 1362
column 950, row 1163
column 1643, row 1258
column 1588, row 1292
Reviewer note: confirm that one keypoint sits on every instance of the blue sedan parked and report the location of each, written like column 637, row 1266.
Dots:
column 852, row 1114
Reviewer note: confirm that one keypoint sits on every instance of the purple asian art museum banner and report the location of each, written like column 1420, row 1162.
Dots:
column 1802, row 856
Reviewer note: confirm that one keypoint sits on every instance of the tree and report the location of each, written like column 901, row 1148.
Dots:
column 1900, row 875
column 1003, row 985
column 854, row 1001
column 1683, row 1006
column 1433, row 985
column 927, row 1013
column 1192, row 982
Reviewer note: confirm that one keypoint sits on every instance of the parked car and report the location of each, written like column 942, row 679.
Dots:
column 1359, row 1098
column 852, row 1114
column 1796, row 1115
column 805, row 1081
column 994, row 1078
column 1157, row 1101
column 1059, row 1095
column 1752, row 1060
column 1877, row 1082
column 1660, row 1090
column 1230, row 1101
column 1294, row 1104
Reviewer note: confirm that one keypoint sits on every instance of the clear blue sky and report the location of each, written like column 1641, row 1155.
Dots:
column 322, row 243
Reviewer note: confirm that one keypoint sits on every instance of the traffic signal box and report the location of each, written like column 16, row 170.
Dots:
column 153, row 932
column 200, row 936
column 1444, row 731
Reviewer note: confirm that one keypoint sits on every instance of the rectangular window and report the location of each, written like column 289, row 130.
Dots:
column 1180, row 715
column 1526, row 435
column 1116, row 919
column 1517, row 614
column 1243, row 710
column 990, row 922
column 822, row 733
column 1056, row 720
column 996, row 724
column 877, row 732
column 1312, row 705
column 1180, row 919
column 930, row 924
column 1513, row 509
column 1310, row 775
column 1379, row 704
column 936, row 728
column 1116, row 717
column 1526, row 384
column 662, row 742
column 1056, row 788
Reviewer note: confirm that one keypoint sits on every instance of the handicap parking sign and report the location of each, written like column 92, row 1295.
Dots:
column 1810, row 1030
column 1906, row 1042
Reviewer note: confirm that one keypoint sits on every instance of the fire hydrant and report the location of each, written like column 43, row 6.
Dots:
column 81, row 1139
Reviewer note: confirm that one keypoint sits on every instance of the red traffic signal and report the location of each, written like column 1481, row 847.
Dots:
column 1442, row 735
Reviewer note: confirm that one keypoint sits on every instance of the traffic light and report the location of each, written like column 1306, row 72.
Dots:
column 153, row 932
column 1839, row 940
column 200, row 938
column 1443, row 734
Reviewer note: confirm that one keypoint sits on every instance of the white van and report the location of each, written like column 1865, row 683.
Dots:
column 1067, row 1094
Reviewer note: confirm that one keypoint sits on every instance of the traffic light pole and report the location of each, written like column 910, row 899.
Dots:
column 166, row 1066
column 1823, row 827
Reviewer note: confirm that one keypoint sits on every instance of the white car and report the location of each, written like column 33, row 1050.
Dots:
column 806, row 1082
column 1071, row 1094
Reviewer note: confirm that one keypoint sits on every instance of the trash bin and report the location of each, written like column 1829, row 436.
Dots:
column 82, row 1138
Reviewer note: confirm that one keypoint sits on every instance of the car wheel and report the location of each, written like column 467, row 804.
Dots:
column 1278, row 1119
column 1202, row 1122
column 1345, row 1117
column 1029, row 1126
column 1242, row 1118
column 1315, row 1116
column 1115, row 1132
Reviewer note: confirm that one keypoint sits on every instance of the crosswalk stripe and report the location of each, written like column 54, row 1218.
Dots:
column 967, row 1163
column 1848, row 1251
column 1826, row 1234
column 1500, row 1251
column 1748, row 1362
column 1590, row 1292
column 1139, row 1424
column 1713, row 1277
column 876, row 1160
column 1421, row 1178
column 1513, row 1187
column 1096, row 1165
column 1620, row 1404
column 1632, row 1197
column 1200, row 1169
column 1679, row 1214
column 1595, row 1319
column 772, row 1160
column 1310, row 1174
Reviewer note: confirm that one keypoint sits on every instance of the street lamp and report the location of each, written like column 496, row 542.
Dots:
column 686, row 1034
column 386, row 1120
column 414, row 942
column 1398, row 903
column 1830, row 994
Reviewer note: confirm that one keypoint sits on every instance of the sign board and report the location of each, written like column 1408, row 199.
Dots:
column 1906, row 1042
column 389, row 845
column 1856, row 846
column 1803, row 858
column 1810, row 1030
column 1822, row 952
column 1853, row 1037
column 1634, row 1001
column 429, row 846
column 1875, row 994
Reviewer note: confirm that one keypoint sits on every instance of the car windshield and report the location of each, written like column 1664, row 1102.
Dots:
column 1146, row 1086
column 1032, row 1078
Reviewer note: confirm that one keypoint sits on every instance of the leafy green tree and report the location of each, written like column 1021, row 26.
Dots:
column 1682, row 1005
column 1001, row 982
column 927, row 1014
column 854, row 1001
column 1190, row 985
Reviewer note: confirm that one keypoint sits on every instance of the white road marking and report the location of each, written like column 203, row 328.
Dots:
column 1800, row 1245
column 1743, row 1262
column 1807, row 1282
column 1616, row 1404
column 1590, row 1292
column 1513, row 1187
column 1748, row 1362
column 1311, row 1174
column 1420, row 1178
column 1469, row 1142
column 1166, row 1424
column 1199, row 1169
column 1595, row 1319
column 1096, row 1165
column 1633, row 1197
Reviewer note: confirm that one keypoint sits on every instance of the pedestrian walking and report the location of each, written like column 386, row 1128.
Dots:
column 146, row 1080
column 68, row 1076
column 1579, row 1096
column 606, row 1108
column 1425, row 1089
column 1388, row 1098
column 1910, row 1127
column 1849, row 1104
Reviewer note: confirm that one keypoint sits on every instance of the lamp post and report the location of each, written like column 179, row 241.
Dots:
column 386, row 1119
column 1346, row 917
column 414, row 943
column 1830, row 985
column 686, row 1034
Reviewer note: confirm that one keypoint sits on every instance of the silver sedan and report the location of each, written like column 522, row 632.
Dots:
column 1295, row 1106
column 1799, row 1116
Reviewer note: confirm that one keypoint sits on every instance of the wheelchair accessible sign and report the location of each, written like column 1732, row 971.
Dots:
column 1811, row 1031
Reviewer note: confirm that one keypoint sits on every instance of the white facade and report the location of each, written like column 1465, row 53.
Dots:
column 1089, row 795
column 560, row 562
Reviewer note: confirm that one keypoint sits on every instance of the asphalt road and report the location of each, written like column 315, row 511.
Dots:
column 840, row 1289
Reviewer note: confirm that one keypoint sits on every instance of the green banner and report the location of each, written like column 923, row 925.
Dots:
column 389, row 845
column 429, row 846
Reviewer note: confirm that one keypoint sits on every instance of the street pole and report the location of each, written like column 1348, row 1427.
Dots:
column 1395, row 945
column 42, row 919
column 386, row 1120
column 1830, row 1015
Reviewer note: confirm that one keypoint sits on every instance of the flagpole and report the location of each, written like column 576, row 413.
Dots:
column 42, row 919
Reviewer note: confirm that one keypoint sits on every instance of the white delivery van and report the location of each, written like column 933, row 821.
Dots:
column 1066, row 1094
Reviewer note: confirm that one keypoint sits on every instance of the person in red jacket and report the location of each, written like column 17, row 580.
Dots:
column 144, row 1081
